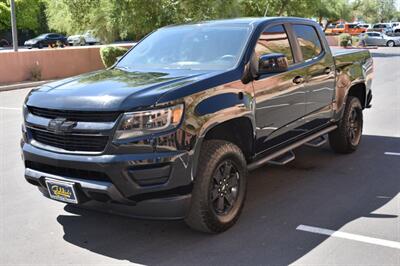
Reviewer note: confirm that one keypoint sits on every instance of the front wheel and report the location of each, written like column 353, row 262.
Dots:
column 390, row 44
column 219, row 188
column 347, row 137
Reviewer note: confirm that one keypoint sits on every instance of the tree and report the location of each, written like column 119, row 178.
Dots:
column 5, row 22
column 133, row 19
column 112, row 19
column 299, row 8
column 386, row 10
column 374, row 11
column 27, row 13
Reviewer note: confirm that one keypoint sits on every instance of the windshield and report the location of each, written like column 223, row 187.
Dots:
column 41, row 36
column 198, row 47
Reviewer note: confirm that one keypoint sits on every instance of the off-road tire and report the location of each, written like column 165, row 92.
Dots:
column 341, row 139
column 202, row 215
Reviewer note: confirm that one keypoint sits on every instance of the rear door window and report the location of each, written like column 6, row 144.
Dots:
column 308, row 40
column 274, row 40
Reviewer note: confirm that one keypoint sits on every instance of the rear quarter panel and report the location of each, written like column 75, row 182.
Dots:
column 353, row 67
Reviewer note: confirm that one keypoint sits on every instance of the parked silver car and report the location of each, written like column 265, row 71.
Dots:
column 379, row 39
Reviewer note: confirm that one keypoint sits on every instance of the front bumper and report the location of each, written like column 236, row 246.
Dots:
column 147, row 185
column 73, row 41
column 30, row 45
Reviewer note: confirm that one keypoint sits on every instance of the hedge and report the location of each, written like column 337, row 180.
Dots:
column 109, row 54
column 345, row 39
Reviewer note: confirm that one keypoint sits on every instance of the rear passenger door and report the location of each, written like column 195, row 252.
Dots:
column 374, row 38
column 320, row 75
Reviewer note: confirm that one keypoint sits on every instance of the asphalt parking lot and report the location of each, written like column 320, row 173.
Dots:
column 323, row 208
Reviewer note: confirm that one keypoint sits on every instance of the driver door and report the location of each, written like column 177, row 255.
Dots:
column 280, row 97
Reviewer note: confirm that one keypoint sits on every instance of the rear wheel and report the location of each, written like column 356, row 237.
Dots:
column 390, row 44
column 219, row 188
column 347, row 137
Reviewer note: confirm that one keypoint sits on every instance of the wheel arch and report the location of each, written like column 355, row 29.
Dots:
column 225, row 130
column 358, row 90
column 239, row 131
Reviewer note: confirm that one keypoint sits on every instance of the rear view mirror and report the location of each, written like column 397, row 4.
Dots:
column 272, row 63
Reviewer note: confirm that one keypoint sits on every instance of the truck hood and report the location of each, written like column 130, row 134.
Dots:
column 112, row 89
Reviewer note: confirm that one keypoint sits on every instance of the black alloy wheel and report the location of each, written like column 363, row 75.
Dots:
column 219, row 188
column 224, row 189
column 347, row 136
column 354, row 127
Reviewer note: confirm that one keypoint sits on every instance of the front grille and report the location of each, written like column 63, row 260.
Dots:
column 78, row 116
column 70, row 142
column 67, row 172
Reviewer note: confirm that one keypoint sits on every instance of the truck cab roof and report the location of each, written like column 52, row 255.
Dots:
column 251, row 21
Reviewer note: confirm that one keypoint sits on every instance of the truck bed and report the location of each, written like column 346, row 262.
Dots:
column 350, row 54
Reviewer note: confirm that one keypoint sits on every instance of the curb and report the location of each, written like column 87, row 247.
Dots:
column 355, row 47
column 23, row 85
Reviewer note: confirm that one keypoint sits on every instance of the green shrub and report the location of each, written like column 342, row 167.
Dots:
column 109, row 54
column 355, row 40
column 344, row 39
column 35, row 72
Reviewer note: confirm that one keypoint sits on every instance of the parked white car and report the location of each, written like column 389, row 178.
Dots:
column 83, row 39
column 382, row 27
column 395, row 24
column 396, row 30
column 365, row 26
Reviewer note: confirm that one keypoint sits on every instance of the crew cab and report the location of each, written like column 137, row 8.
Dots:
column 173, row 128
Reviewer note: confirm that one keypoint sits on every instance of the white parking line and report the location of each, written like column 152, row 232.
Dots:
column 360, row 238
column 10, row 108
column 392, row 153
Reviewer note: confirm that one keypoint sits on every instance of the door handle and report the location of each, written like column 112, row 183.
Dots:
column 327, row 70
column 298, row 80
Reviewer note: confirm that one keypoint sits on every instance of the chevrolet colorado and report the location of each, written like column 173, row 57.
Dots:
column 171, row 130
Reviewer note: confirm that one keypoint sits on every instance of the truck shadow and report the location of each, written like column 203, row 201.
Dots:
column 319, row 188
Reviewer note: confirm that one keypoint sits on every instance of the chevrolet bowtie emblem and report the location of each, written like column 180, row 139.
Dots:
column 61, row 125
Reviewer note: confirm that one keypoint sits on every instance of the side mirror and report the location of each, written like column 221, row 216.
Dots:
column 272, row 63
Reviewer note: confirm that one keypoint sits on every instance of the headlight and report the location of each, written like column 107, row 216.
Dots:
column 143, row 123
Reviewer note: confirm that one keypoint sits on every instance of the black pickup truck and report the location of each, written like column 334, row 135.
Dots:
column 172, row 129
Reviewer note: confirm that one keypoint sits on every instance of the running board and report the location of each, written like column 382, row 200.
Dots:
column 289, row 148
column 315, row 143
column 283, row 159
